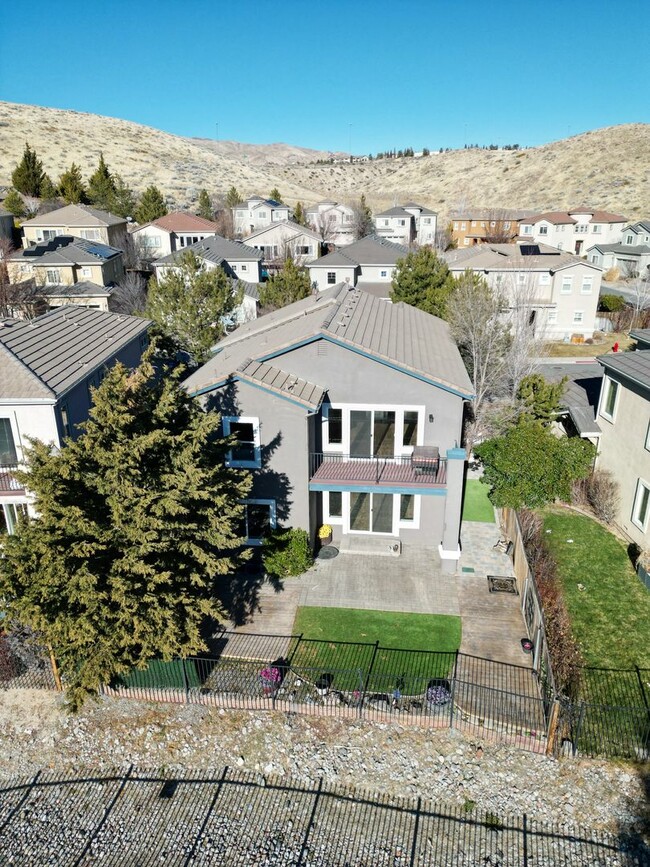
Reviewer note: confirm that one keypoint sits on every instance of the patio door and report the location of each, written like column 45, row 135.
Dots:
column 372, row 433
column 370, row 512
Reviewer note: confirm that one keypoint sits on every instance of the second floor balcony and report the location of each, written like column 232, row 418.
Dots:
column 423, row 468
column 8, row 482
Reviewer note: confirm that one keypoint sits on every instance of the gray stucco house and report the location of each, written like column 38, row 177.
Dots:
column 349, row 412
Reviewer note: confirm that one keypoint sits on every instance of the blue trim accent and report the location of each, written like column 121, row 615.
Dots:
column 456, row 454
column 378, row 489
column 217, row 385
column 369, row 355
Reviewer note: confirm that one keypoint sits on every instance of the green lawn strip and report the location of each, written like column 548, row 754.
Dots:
column 165, row 675
column 404, row 667
column 476, row 506
column 611, row 616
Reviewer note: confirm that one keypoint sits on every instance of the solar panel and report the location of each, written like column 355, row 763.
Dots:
column 529, row 250
column 100, row 250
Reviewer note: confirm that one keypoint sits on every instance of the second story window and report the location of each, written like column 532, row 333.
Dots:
column 629, row 239
column 245, row 451
column 565, row 289
column 608, row 406
column 53, row 276
column 8, row 456
column 335, row 426
column 65, row 420
column 331, row 277
column 410, row 430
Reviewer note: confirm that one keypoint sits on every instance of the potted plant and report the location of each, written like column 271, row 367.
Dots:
column 271, row 678
column 325, row 534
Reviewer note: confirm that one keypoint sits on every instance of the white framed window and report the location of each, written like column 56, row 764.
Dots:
column 426, row 221
column 466, row 242
column 543, row 230
column 246, row 451
column 587, row 286
column 527, row 230
column 10, row 514
column 581, row 228
column 456, row 226
column 482, row 224
column 244, row 267
column 260, row 516
column 596, row 229
column 578, row 317
column 463, row 226
column 333, row 428
column 521, row 278
column 408, row 506
column 386, row 222
column 401, row 222
column 333, row 507
column 372, row 430
column 551, row 317
column 647, row 438
column 609, row 401
column 641, row 507
column 86, row 272
column 473, row 223
column 629, row 239
column 53, row 276
column 567, row 285
column 594, row 258
column 8, row 454
column 331, row 277
column 262, row 215
column 544, row 279
column 150, row 241
column 383, row 273
column 91, row 234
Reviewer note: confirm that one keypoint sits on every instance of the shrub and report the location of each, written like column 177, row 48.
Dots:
column 611, row 303
column 611, row 275
column 286, row 552
column 603, row 494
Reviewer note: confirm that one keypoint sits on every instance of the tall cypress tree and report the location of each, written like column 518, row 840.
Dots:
column 71, row 186
column 288, row 285
column 205, row 208
column 138, row 523
column 232, row 197
column 124, row 204
column 101, row 186
column 28, row 175
column 151, row 205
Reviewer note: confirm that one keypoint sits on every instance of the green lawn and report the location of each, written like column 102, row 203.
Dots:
column 611, row 616
column 423, row 632
column 476, row 506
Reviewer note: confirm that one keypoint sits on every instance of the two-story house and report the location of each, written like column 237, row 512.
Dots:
column 47, row 369
column 65, row 261
column 624, row 448
column 258, row 213
column 560, row 290
column 631, row 256
column 81, row 221
column 369, row 264
column 243, row 264
column 348, row 411
column 280, row 241
column 473, row 226
column 333, row 222
column 170, row 233
column 574, row 231
column 407, row 224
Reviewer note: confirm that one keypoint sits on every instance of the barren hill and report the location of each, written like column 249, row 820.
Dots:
column 607, row 168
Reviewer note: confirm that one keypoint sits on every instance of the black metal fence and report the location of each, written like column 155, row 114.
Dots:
column 234, row 817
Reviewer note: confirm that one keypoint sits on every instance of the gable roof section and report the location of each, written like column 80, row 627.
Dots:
column 17, row 381
column 284, row 384
column 371, row 250
column 426, row 212
column 81, row 216
column 217, row 250
column 623, row 249
column 298, row 230
column 639, row 226
column 557, row 218
column 509, row 257
column 398, row 335
column 600, row 216
column 397, row 211
column 83, row 289
column 634, row 366
column 181, row 221
column 63, row 346
column 66, row 250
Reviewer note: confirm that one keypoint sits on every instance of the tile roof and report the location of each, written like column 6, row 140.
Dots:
column 397, row 211
column 371, row 250
column 66, row 250
column 63, row 346
column 624, row 249
column 509, row 257
column 491, row 214
column 640, row 225
column 181, row 221
column 298, row 230
column 555, row 217
column 215, row 249
column 560, row 217
column 600, row 216
column 641, row 334
column 396, row 334
column 634, row 366
column 77, row 290
column 77, row 216
column 425, row 211
column 286, row 384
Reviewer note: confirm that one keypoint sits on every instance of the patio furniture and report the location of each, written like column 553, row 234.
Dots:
column 425, row 460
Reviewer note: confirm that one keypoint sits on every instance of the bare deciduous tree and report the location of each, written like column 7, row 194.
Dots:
column 21, row 300
column 640, row 292
column 498, row 226
column 130, row 295
column 324, row 227
column 223, row 219
column 526, row 333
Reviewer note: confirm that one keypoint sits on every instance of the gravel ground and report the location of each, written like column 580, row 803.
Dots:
column 36, row 732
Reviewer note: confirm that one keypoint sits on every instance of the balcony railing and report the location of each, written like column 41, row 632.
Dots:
column 8, row 482
column 376, row 470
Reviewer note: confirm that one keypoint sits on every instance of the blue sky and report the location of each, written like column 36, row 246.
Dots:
column 327, row 74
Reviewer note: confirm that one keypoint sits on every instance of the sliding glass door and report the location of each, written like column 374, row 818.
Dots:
column 371, row 512
column 372, row 433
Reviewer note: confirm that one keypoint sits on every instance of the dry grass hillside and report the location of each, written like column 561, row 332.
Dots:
column 607, row 168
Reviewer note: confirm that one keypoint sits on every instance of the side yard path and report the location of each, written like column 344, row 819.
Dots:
column 443, row 766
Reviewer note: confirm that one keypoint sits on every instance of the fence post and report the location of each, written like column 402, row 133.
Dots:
column 525, row 831
column 55, row 670
column 551, row 731
column 453, row 692
column 581, row 716
column 185, row 681
column 360, row 705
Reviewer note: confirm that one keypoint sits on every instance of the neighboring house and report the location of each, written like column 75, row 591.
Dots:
column 489, row 225
column 258, row 213
column 561, row 290
column 170, row 233
column 85, row 294
column 65, row 260
column 47, row 369
column 642, row 337
column 82, row 221
column 407, row 224
column 6, row 226
column 333, row 222
column 240, row 262
column 624, row 419
column 369, row 263
column 574, row 231
column 280, row 241
column 631, row 256
column 578, row 405
column 348, row 411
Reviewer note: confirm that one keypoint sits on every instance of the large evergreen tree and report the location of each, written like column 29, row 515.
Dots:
column 363, row 222
column 232, row 198
column 205, row 208
column 299, row 215
column 48, row 190
column 101, row 186
column 288, row 285
column 276, row 195
column 137, row 526
column 190, row 303
column 28, row 175
column 14, row 203
column 71, row 186
column 151, row 205
column 124, row 204
column 423, row 280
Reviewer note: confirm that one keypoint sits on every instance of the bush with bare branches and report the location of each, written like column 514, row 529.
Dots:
column 603, row 494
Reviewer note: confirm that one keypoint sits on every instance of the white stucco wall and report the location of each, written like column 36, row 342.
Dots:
column 147, row 235
column 319, row 276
